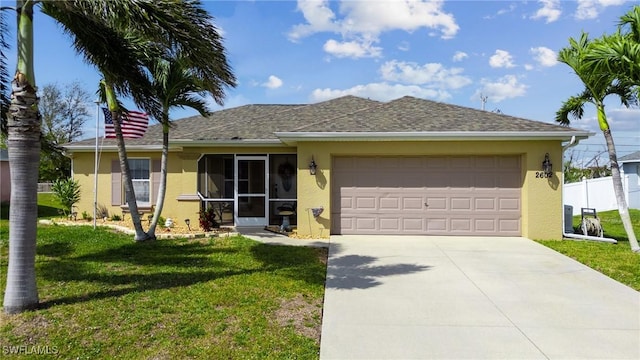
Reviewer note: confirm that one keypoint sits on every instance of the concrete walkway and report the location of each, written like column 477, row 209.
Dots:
column 471, row 298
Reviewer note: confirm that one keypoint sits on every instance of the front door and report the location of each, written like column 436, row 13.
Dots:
column 251, row 191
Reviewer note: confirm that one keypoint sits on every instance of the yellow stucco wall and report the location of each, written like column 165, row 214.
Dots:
column 541, row 197
column 83, row 171
column 182, row 180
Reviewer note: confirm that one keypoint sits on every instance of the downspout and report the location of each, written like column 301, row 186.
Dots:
column 573, row 143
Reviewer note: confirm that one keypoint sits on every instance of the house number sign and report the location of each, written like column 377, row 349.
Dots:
column 543, row 175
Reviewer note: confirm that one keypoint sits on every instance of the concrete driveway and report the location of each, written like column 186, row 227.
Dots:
column 471, row 298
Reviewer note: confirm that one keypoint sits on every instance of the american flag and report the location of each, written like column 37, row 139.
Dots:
column 134, row 124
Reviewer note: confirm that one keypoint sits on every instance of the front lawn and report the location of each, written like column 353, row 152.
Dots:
column 614, row 260
column 104, row 296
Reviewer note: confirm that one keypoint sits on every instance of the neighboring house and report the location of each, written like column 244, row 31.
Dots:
column 630, row 169
column 5, row 176
column 408, row 166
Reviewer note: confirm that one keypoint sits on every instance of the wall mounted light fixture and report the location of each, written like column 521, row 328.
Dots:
column 312, row 167
column 317, row 211
column 547, row 166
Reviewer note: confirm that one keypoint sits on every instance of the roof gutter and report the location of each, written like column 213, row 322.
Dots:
column 92, row 148
column 294, row 137
column 232, row 142
column 179, row 144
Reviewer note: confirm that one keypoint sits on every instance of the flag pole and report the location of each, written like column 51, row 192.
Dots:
column 95, row 173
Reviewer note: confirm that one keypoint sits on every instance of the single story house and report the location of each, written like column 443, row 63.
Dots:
column 630, row 172
column 347, row 166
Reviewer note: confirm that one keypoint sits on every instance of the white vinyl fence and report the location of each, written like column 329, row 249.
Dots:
column 591, row 193
column 44, row 187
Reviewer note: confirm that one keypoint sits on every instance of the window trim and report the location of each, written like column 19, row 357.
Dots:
column 149, row 181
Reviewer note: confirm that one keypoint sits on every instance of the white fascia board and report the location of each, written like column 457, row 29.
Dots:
column 293, row 137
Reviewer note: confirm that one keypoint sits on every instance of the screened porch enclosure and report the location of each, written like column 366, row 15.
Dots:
column 249, row 190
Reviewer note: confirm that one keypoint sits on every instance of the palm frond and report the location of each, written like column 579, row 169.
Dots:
column 572, row 107
column 182, row 26
column 631, row 22
column 616, row 56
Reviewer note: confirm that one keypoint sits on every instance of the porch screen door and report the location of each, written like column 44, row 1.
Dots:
column 251, row 191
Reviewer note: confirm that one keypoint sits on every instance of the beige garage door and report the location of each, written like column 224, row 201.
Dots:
column 472, row 195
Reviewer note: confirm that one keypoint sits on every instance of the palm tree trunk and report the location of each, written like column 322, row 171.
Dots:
column 21, row 292
column 623, row 209
column 126, row 180
column 163, row 180
column 110, row 97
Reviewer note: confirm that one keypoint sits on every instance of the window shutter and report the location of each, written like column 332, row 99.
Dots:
column 155, row 178
column 116, row 183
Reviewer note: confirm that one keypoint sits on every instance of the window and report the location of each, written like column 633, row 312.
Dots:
column 140, row 176
column 215, row 185
column 215, row 177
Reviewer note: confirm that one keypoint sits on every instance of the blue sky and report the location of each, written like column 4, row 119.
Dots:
column 450, row 51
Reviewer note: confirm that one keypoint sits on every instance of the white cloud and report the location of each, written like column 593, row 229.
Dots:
column 529, row 67
column 501, row 59
column 511, row 8
column 550, row 11
column 352, row 49
column 459, row 56
column 590, row 9
column 624, row 119
column 274, row 82
column 380, row 91
column 504, row 88
column 319, row 18
column 404, row 46
column 433, row 74
column 503, row 11
column 586, row 10
column 364, row 21
column 544, row 56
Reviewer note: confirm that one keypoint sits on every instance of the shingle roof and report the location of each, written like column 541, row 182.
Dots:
column 344, row 114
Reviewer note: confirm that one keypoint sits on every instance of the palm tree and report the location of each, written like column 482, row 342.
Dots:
column 598, row 85
column 95, row 29
column 620, row 53
column 108, row 96
column 174, row 84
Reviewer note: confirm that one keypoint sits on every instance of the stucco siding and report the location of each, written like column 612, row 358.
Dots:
column 541, row 197
column 5, row 182
column 182, row 178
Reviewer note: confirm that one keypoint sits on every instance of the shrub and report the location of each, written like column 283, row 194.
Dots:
column 208, row 219
column 115, row 217
column 102, row 212
column 86, row 216
column 67, row 191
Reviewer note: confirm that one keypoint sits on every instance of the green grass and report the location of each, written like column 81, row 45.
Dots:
column 104, row 296
column 48, row 207
column 614, row 260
